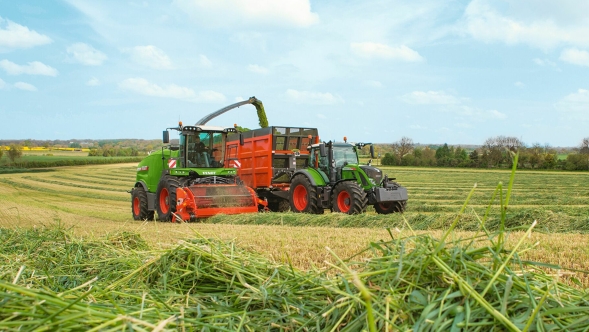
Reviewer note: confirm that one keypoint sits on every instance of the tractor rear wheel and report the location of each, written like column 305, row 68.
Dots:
column 349, row 198
column 139, row 205
column 303, row 195
column 390, row 207
column 165, row 198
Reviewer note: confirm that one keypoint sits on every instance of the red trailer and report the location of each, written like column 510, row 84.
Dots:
column 267, row 157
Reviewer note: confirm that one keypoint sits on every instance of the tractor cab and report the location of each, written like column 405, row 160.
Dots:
column 330, row 158
column 200, row 146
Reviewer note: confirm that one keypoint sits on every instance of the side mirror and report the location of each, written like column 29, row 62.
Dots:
column 322, row 151
column 241, row 141
column 166, row 137
column 371, row 151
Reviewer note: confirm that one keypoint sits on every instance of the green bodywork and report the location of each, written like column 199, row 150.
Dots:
column 347, row 166
column 333, row 163
column 152, row 167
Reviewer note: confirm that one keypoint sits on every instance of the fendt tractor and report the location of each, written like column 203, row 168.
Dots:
column 190, row 180
column 289, row 168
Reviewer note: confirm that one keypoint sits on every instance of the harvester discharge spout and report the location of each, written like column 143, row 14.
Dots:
column 252, row 100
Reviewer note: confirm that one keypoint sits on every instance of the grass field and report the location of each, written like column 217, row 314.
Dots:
column 93, row 201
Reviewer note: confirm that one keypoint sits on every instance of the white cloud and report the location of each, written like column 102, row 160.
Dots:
column 486, row 23
column 287, row 13
column 150, row 56
column 429, row 98
column 204, row 61
column 575, row 56
column 2, row 84
column 417, row 127
column 315, row 98
column 544, row 62
column 258, row 69
column 519, row 84
column 481, row 115
column 494, row 114
column 86, row 54
column 321, row 116
column 382, row 51
column 575, row 105
column 33, row 68
column 93, row 82
column 374, row 84
column 13, row 35
column 462, row 125
column 142, row 86
column 25, row 86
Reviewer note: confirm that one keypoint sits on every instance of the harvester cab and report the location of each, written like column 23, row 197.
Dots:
column 189, row 180
column 336, row 180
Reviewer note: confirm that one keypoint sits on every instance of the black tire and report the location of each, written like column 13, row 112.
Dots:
column 348, row 197
column 165, row 198
column 279, row 205
column 390, row 207
column 139, row 205
column 303, row 195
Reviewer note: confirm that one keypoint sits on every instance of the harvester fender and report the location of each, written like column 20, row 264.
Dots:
column 140, row 184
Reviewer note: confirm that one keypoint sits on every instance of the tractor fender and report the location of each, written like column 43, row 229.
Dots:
column 342, row 180
column 307, row 174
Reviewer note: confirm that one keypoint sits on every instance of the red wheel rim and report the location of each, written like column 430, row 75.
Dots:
column 385, row 206
column 344, row 201
column 300, row 197
column 164, row 201
column 136, row 206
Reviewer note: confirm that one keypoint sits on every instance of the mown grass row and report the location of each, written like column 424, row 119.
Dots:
column 560, row 201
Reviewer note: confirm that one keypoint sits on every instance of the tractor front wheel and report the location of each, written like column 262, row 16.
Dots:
column 165, row 198
column 303, row 195
column 349, row 198
column 139, row 205
column 390, row 207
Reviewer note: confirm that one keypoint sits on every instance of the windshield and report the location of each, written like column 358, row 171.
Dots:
column 344, row 155
column 204, row 149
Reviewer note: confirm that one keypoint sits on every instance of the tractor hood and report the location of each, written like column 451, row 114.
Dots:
column 373, row 173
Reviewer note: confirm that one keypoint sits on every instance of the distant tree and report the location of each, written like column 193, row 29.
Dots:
column 584, row 148
column 403, row 147
column 1, row 152
column 443, row 152
column 75, row 145
column 428, row 156
column 389, row 159
column 474, row 158
column 14, row 152
column 28, row 143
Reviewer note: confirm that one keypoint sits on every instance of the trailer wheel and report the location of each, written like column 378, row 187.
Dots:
column 165, row 198
column 349, row 198
column 139, row 205
column 390, row 207
column 303, row 195
column 280, row 205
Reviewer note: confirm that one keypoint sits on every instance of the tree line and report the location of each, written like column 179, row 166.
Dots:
column 495, row 152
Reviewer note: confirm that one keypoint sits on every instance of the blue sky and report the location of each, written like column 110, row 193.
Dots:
column 455, row 72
